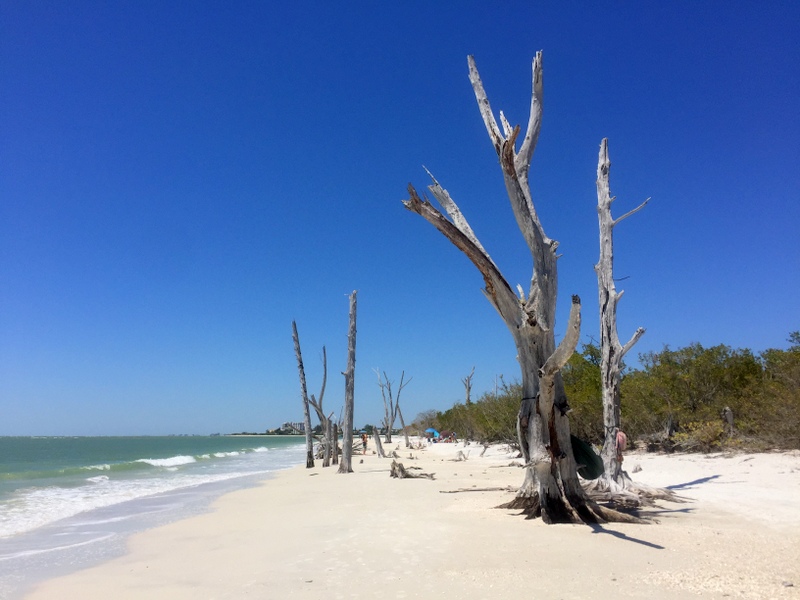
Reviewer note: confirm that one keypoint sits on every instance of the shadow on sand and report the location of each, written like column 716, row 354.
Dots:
column 691, row 484
column 597, row 528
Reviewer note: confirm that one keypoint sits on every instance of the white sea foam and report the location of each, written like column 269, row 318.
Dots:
column 225, row 454
column 36, row 507
column 98, row 479
column 261, row 449
column 174, row 461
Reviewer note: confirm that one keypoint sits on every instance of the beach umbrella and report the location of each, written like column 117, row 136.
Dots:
column 432, row 431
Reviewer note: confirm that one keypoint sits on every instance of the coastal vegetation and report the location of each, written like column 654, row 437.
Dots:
column 674, row 400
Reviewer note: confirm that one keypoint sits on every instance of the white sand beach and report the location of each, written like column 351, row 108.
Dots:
column 312, row 533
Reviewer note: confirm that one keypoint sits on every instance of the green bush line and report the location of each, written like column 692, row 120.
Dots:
column 674, row 401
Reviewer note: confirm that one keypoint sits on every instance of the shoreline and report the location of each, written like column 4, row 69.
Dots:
column 309, row 533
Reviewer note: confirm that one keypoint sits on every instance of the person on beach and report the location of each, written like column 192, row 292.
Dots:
column 364, row 442
column 622, row 444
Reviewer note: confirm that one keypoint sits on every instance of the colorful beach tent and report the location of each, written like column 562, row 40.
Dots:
column 432, row 431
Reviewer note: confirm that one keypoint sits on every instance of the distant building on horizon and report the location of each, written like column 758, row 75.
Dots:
column 299, row 426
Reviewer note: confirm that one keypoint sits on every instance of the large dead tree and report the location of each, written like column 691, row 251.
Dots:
column 345, row 465
column 391, row 404
column 551, row 488
column 612, row 351
column 304, row 397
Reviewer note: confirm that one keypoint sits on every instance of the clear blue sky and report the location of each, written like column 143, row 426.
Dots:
column 181, row 180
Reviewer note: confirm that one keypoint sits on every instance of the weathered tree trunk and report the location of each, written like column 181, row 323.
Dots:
column 612, row 352
column 326, row 461
column 335, row 444
column 304, row 392
column 376, row 435
column 403, row 425
column 551, row 488
column 324, row 421
column 345, row 466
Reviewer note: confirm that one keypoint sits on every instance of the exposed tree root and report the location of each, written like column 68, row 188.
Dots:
column 576, row 507
column 626, row 494
column 584, row 511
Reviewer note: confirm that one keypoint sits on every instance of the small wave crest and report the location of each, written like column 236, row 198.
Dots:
column 173, row 461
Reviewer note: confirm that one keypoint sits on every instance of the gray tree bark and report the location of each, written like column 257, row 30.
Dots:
column 403, row 425
column 335, row 448
column 304, row 393
column 376, row 435
column 551, row 488
column 345, row 465
column 612, row 351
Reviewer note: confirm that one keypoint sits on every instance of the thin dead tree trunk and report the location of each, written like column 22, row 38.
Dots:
column 467, row 381
column 304, row 392
column 345, row 466
column 326, row 461
column 615, row 484
column 335, row 444
column 376, row 435
column 551, row 488
column 317, row 404
column 612, row 352
column 403, row 425
column 390, row 405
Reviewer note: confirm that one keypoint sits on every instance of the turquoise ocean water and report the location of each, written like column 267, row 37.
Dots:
column 69, row 502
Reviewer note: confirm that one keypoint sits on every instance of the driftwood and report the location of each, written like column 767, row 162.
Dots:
column 460, row 456
column 506, row 488
column 398, row 471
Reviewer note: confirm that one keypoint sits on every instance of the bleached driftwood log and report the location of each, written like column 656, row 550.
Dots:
column 399, row 471
column 551, row 488
column 345, row 465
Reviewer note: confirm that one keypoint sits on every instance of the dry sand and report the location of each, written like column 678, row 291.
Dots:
column 311, row 533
